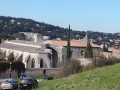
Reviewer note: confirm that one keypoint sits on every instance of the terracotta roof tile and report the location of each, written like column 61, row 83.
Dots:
column 74, row 43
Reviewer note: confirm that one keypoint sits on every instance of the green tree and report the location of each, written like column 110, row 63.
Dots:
column 89, row 51
column 4, row 65
column 69, row 52
column 11, row 57
column 105, row 48
column 18, row 66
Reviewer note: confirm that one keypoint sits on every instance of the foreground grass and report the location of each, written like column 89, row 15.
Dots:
column 106, row 78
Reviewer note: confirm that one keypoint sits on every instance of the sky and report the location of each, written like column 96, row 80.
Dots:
column 82, row 15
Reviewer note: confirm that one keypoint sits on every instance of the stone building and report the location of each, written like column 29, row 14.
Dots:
column 37, row 53
column 60, row 47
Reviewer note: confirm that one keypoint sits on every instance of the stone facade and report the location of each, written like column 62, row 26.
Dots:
column 42, row 54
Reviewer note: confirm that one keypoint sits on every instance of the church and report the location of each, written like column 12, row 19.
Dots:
column 35, row 52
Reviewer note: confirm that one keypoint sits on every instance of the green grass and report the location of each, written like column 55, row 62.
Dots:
column 105, row 78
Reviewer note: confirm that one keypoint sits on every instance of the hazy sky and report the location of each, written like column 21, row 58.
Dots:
column 95, row 15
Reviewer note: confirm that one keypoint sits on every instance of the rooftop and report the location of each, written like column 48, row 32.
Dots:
column 74, row 43
column 25, row 46
column 25, row 42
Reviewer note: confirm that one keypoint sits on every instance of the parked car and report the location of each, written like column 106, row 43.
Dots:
column 21, row 75
column 28, row 83
column 48, row 78
column 9, row 84
column 45, row 79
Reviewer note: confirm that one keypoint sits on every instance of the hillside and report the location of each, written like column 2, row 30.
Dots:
column 105, row 78
column 11, row 26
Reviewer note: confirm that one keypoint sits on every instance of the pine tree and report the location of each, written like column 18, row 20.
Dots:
column 89, row 51
column 105, row 48
column 68, row 45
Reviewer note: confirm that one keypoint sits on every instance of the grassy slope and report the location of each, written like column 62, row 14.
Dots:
column 106, row 78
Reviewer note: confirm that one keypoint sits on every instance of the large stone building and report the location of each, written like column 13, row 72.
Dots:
column 37, row 53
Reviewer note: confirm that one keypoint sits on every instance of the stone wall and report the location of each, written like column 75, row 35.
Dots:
column 31, row 72
column 41, row 71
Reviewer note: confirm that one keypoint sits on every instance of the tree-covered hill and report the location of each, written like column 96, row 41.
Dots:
column 10, row 26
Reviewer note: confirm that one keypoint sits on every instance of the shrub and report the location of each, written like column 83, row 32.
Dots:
column 103, row 61
column 4, row 65
column 11, row 57
column 16, row 65
column 69, row 68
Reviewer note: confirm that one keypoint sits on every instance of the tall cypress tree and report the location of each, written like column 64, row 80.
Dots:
column 68, row 45
column 105, row 48
column 89, row 51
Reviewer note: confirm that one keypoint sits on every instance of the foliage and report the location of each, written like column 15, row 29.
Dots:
column 105, row 48
column 88, row 51
column 11, row 25
column 68, row 45
column 18, row 66
column 101, row 60
column 70, row 68
column 1, row 40
column 4, row 65
column 11, row 57
column 20, row 36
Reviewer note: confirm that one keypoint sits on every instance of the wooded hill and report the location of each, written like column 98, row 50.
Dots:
column 10, row 26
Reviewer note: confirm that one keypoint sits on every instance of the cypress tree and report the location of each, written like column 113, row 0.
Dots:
column 105, row 48
column 89, row 51
column 68, row 45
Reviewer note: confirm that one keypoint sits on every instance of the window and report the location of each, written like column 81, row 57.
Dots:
column 41, row 63
column 44, row 71
column 82, row 53
column 33, row 63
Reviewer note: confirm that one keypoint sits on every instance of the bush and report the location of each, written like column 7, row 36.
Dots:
column 4, row 65
column 16, row 65
column 103, row 61
column 69, row 68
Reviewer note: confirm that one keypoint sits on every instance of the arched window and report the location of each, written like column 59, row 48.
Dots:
column 82, row 53
column 41, row 63
column 33, row 63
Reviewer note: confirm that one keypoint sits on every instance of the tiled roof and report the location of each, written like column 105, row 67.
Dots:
column 74, row 43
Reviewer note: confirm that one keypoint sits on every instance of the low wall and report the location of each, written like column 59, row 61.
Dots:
column 43, row 71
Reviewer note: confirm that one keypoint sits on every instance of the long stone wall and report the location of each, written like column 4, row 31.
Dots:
column 41, row 71
column 31, row 72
